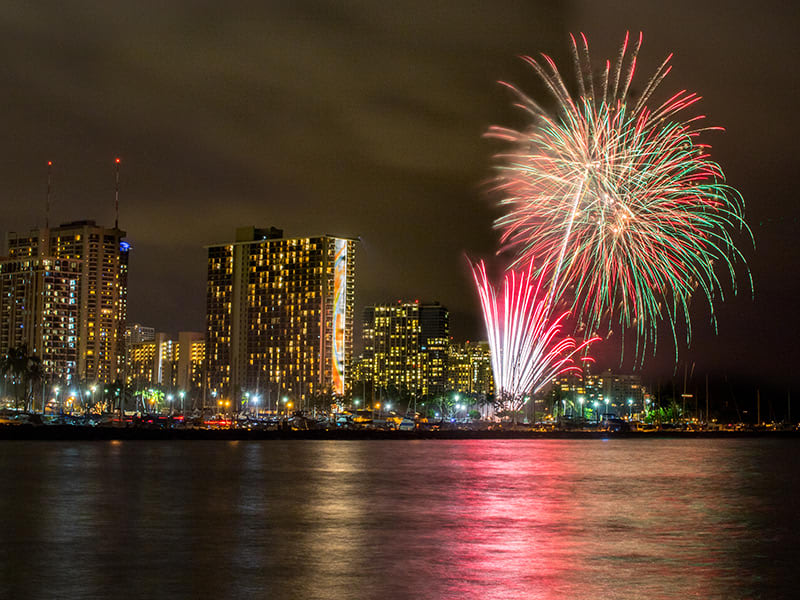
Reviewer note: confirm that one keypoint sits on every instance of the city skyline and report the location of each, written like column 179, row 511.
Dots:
column 385, row 145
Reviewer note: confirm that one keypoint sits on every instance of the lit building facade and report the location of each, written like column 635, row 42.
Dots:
column 102, row 256
column 434, row 343
column 39, row 310
column 142, row 366
column 279, row 315
column 136, row 333
column 597, row 394
column 622, row 390
column 405, row 348
column 191, row 360
column 469, row 369
column 167, row 363
column 391, row 347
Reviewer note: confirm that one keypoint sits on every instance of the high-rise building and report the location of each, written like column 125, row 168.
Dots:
column 39, row 311
column 405, row 347
column 469, row 369
column 280, row 314
column 391, row 347
column 434, row 341
column 102, row 257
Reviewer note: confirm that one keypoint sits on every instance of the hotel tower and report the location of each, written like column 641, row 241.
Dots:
column 83, row 273
column 279, row 315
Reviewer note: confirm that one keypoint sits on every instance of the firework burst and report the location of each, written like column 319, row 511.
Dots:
column 620, row 201
column 527, row 346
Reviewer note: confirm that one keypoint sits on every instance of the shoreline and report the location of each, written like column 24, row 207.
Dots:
column 77, row 433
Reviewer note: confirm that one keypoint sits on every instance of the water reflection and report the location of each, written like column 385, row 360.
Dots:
column 429, row 519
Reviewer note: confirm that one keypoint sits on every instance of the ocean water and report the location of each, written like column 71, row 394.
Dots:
column 482, row 519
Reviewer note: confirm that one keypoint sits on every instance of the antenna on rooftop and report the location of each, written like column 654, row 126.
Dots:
column 47, row 202
column 116, row 194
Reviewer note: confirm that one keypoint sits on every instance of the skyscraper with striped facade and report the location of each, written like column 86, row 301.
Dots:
column 279, row 315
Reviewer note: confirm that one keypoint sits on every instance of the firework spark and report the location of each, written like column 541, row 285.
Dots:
column 622, row 202
column 526, row 344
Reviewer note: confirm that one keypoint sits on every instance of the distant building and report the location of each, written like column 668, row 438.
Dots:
column 434, row 322
column 280, row 314
column 150, row 363
column 39, row 310
column 405, row 348
column 391, row 356
column 623, row 390
column 136, row 334
column 603, row 393
column 469, row 369
column 168, row 364
column 101, row 255
column 191, row 359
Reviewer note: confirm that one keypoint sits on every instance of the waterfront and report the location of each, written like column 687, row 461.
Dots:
column 623, row 518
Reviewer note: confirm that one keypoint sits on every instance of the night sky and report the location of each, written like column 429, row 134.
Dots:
column 365, row 119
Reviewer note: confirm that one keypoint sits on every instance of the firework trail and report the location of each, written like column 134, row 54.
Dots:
column 622, row 202
column 526, row 344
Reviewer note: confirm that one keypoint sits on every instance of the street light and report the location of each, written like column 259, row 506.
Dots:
column 581, row 401
column 56, row 389
column 596, row 405
column 254, row 400
column 169, row 399
column 630, row 408
column 182, row 394
column 285, row 400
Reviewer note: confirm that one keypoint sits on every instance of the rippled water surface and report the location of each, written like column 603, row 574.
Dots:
column 541, row 519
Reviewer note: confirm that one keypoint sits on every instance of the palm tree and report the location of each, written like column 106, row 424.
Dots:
column 33, row 374
column 15, row 364
column 5, row 368
column 24, row 371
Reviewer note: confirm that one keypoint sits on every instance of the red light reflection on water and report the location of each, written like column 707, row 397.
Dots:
column 553, row 519
column 488, row 519
column 509, row 539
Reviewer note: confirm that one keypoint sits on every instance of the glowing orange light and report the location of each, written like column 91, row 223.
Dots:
column 49, row 163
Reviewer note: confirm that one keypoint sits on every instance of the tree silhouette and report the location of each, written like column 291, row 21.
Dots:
column 24, row 371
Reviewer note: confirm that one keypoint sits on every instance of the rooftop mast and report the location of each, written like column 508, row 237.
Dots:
column 47, row 202
column 116, row 194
